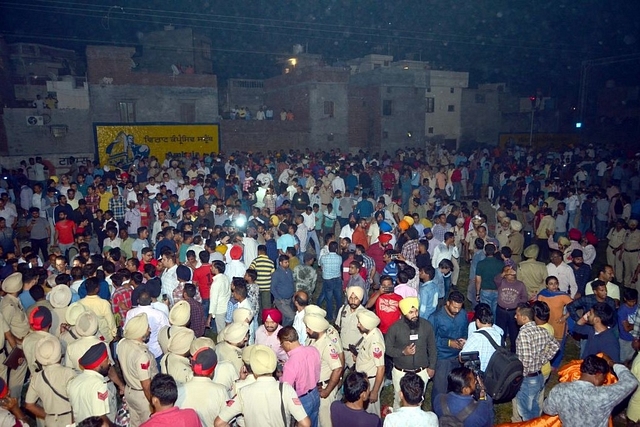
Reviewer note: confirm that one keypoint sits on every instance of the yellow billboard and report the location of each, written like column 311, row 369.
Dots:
column 119, row 144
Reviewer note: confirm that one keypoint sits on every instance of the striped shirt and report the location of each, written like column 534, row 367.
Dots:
column 265, row 268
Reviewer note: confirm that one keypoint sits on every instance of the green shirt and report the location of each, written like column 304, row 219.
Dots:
column 488, row 269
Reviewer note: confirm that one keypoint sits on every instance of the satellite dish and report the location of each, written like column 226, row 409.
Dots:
column 175, row 70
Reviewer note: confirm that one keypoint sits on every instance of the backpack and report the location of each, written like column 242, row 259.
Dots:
column 448, row 419
column 504, row 373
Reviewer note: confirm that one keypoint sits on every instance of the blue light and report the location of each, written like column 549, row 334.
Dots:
column 578, row 125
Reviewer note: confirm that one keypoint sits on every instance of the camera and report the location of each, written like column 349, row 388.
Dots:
column 471, row 360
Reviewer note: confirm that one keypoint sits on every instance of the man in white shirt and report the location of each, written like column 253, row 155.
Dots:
column 157, row 319
column 557, row 267
column 300, row 301
column 169, row 275
column 476, row 341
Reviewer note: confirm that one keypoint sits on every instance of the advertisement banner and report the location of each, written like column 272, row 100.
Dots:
column 119, row 144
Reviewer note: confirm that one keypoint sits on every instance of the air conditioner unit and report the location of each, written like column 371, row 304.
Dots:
column 35, row 120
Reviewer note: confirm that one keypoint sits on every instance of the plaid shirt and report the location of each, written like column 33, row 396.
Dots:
column 331, row 266
column 121, row 297
column 410, row 250
column 198, row 321
column 534, row 347
column 93, row 202
column 117, row 206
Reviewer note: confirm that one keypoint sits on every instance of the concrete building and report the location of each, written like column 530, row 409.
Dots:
column 242, row 93
column 184, row 49
column 444, row 105
column 481, row 113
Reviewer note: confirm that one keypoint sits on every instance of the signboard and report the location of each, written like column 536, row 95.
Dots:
column 118, row 144
column 539, row 140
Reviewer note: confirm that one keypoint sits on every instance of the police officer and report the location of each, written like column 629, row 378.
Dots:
column 15, row 316
column 236, row 336
column 262, row 402
column 69, row 333
column 331, row 365
column 88, row 392
column 179, row 317
column 370, row 359
column 201, row 393
column 138, row 367
column 40, row 323
column 60, row 298
column 631, row 249
column 47, row 385
column 347, row 322
column 175, row 362
column 332, row 333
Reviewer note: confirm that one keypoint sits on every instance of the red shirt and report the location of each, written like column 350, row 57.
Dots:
column 121, row 295
column 202, row 278
column 388, row 310
column 174, row 417
column 153, row 262
column 65, row 231
column 376, row 252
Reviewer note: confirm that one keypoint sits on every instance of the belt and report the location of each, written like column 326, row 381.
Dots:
column 303, row 395
column 612, row 247
column 632, row 250
column 415, row 371
column 371, row 377
column 59, row 415
column 534, row 374
column 135, row 389
column 506, row 309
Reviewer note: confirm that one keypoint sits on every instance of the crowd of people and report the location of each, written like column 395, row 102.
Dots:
column 261, row 288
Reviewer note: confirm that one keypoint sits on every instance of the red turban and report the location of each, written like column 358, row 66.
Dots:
column 272, row 314
column 575, row 234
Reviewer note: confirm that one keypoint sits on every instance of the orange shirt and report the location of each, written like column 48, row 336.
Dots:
column 556, row 305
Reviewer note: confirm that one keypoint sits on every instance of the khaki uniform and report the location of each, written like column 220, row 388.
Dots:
column 203, row 396
column 347, row 321
column 176, row 366
column 58, row 410
column 227, row 375
column 330, row 360
column 78, row 348
column 29, row 345
column 106, row 321
column 370, row 357
column 472, row 235
column 4, row 328
column 90, row 396
column 516, row 244
column 58, row 316
column 502, row 235
column 630, row 254
column 533, row 274
column 16, row 318
column 137, row 365
column 260, row 403
column 616, row 238
column 233, row 354
column 164, row 334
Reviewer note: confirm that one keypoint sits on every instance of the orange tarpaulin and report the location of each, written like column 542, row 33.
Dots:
column 568, row 373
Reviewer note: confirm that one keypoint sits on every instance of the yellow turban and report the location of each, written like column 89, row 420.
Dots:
column 357, row 290
column 408, row 303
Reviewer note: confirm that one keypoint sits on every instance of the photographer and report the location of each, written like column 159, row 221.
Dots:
column 482, row 321
column 462, row 395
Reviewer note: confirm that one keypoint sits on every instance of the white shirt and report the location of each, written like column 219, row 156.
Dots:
column 169, row 282
column 157, row 319
column 565, row 276
column 411, row 416
column 442, row 251
column 480, row 343
column 300, row 327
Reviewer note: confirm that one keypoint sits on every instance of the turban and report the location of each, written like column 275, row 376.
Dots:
column 241, row 315
column 408, row 219
column 272, row 314
column 575, row 234
column 87, row 324
column 236, row 332
column 357, row 290
column 204, row 362
column 515, row 225
column 48, row 351
column 180, row 342
column 314, row 309
column 180, row 313
column 385, row 227
column 368, row 319
column 576, row 253
column 531, row 251
column 93, row 357
column 13, row 283
column 384, row 238
column 73, row 312
column 406, row 304
column 316, row 323
column 136, row 327
column 40, row 318
column 263, row 360
column 4, row 389
column 235, row 252
column 200, row 343
column 60, row 296
column 564, row 241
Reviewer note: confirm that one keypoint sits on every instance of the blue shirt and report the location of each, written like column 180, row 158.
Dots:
column 282, row 284
column 428, row 294
column 331, row 264
column 165, row 243
column 624, row 312
column 286, row 241
column 448, row 328
column 482, row 416
column 364, row 208
column 604, row 342
column 103, row 293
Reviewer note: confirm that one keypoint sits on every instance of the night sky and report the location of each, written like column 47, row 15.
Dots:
column 529, row 44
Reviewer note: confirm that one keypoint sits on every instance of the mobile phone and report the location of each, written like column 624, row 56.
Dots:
column 165, row 297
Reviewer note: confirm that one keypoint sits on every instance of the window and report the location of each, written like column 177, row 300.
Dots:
column 188, row 112
column 385, row 134
column 480, row 98
column 429, row 89
column 452, row 90
column 328, row 108
column 386, row 107
column 127, row 111
column 388, row 89
column 451, row 108
column 206, row 50
column 431, row 104
column 386, row 63
column 430, row 130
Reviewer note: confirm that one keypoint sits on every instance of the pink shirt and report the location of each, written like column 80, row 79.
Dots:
column 302, row 370
column 405, row 291
column 271, row 341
